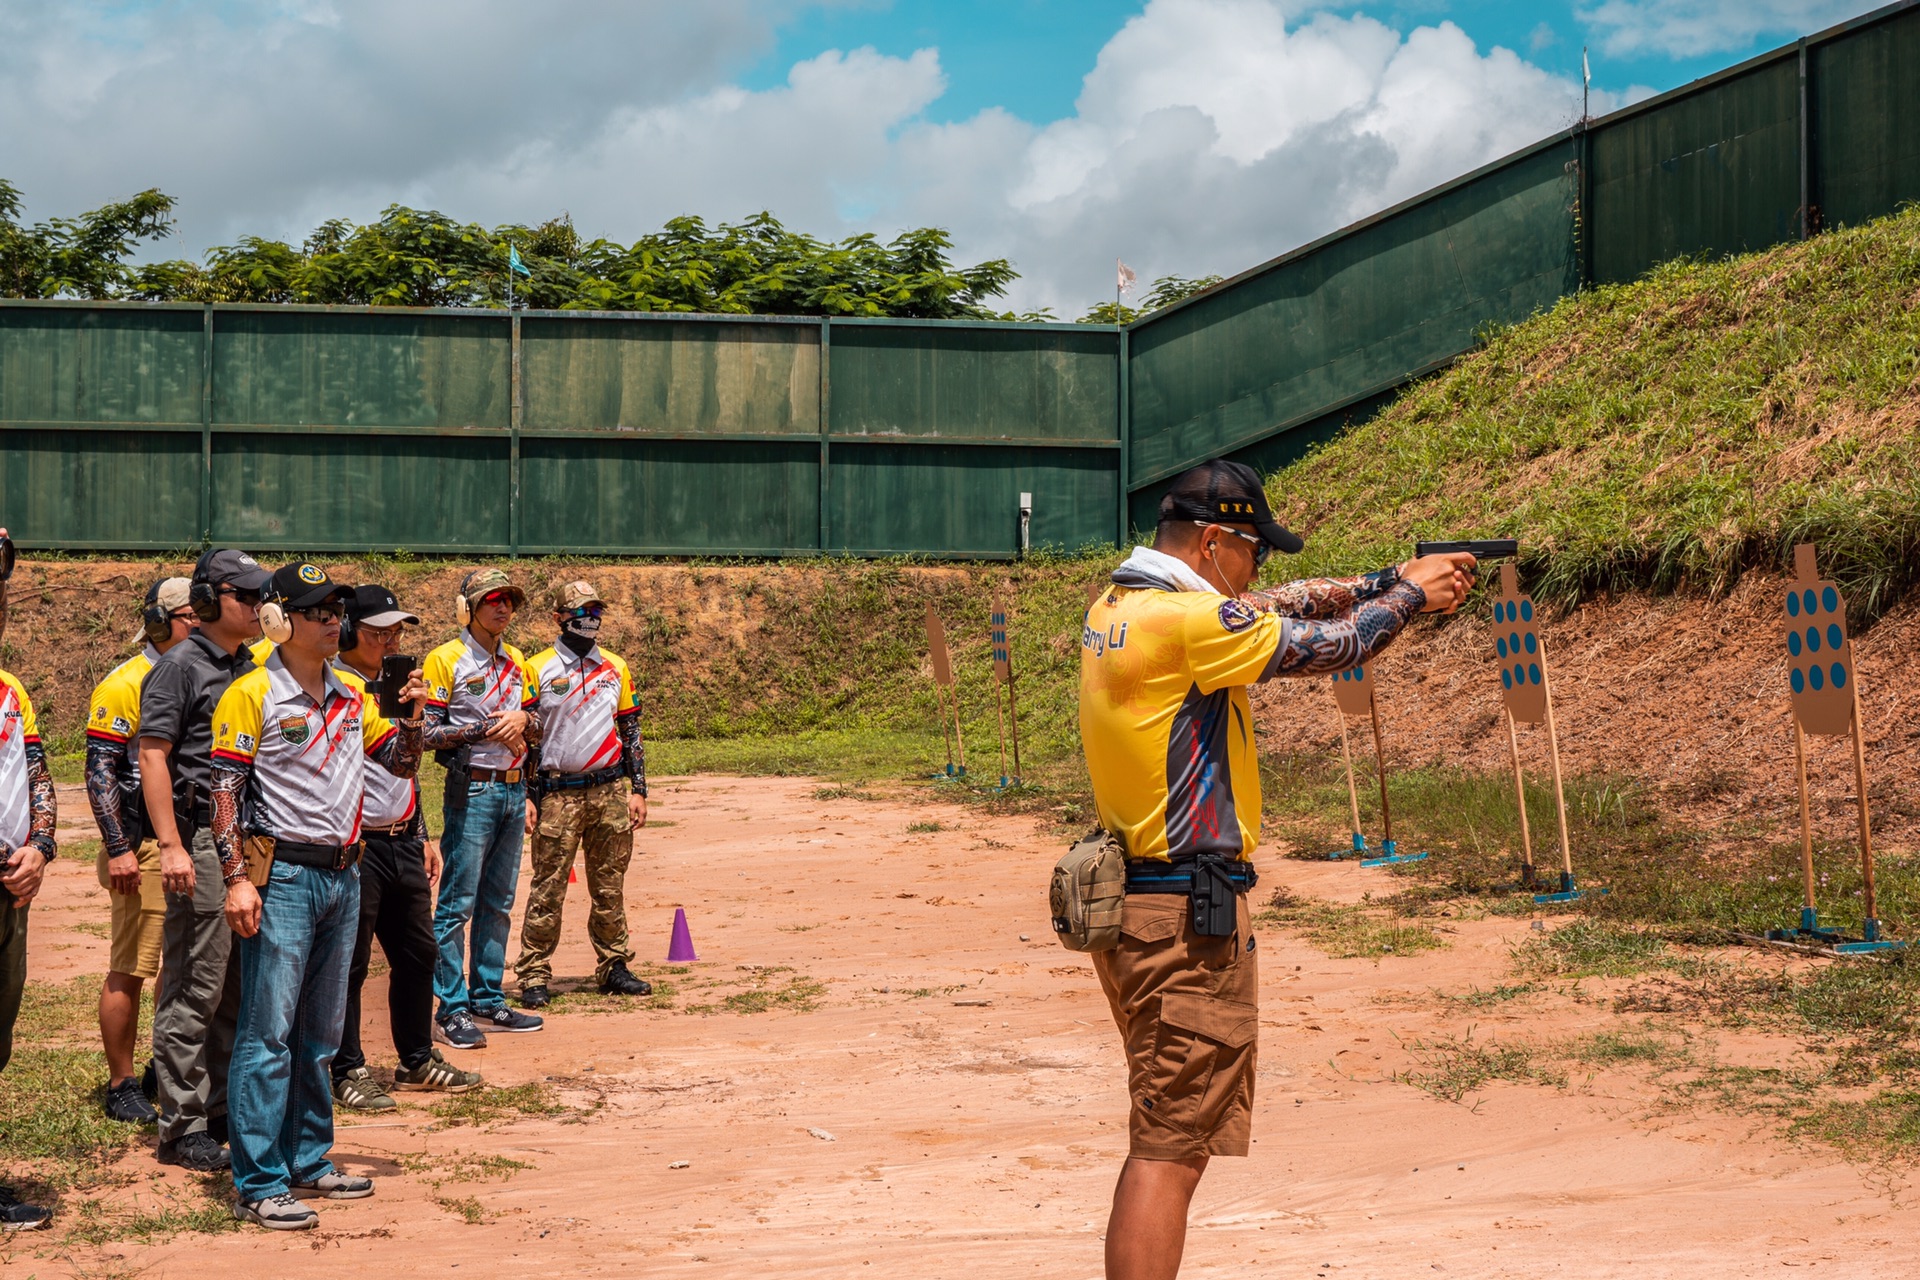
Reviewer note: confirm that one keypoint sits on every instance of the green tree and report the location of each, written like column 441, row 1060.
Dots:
column 1166, row 291
column 83, row 257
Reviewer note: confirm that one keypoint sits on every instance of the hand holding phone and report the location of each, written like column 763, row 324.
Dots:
column 395, row 668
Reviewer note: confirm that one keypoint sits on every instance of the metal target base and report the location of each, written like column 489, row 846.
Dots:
column 955, row 771
column 1390, row 856
column 1007, row 784
column 1810, row 931
column 1569, row 892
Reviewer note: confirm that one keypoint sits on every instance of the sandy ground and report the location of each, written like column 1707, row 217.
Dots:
column 972, row 1088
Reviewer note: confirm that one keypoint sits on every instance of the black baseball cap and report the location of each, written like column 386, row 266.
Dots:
column 375, row 606
column 302, row 585
column 236, row 569
column 1222, row 492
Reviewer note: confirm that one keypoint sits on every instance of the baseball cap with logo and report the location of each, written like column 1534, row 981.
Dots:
column 1223, row 492
column 481, row 583
column 236, row 569
column 374, row 606
column 576, row 595
column 301, row 585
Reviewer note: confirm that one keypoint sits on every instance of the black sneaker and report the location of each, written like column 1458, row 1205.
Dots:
column 457, row 1031
column 125, row 1104
column 621, row 982
column 150, row 1082
column 217, row 1129
column 197, row 1151
column 505, row 1019
column 18, row 1216
column 536, row 996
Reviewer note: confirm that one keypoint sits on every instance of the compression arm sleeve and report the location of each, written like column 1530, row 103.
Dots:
column 1313, row 648
column 44, row 811
column 107, row 765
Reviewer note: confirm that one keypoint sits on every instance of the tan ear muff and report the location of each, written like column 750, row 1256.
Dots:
column 275, row 623
column 462, row 611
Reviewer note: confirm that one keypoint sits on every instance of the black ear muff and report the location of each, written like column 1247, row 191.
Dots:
column 201, row 597
column 348, row 638
column 157, row 621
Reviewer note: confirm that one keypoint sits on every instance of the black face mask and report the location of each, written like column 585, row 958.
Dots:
column 579, row 635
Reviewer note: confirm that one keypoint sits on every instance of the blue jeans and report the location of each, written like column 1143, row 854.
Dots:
column 481, row 871
column 293, row 998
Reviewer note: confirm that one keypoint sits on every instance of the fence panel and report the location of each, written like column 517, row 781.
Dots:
column 85, row 366
column 1865, row 88
column 963, row 500
column 93, row 490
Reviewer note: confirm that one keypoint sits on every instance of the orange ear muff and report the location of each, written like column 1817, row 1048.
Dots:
column 275, row 623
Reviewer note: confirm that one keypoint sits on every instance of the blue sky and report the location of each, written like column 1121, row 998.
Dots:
column 1185, row 136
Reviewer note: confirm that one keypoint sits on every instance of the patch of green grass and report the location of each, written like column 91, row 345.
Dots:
column 798, row 995
column 1614, row 1048
column 842, row 793
column 1451, row 1067
column 492, row 1105
column 1881, row 1127
column 204, row 1210
column 1348, row 931
column 1589, row 948
column 460, row 1166
column 1475, row 998
column 923, row 828
column 467, row 1208
column 50, row 1115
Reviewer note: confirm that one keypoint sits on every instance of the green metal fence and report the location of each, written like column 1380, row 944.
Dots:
column 125, row 426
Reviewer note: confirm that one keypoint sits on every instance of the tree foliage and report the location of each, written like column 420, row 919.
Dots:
column 422, row 258
column 1166, row 291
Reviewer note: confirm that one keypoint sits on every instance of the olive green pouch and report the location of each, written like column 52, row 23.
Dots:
column 1089, row 886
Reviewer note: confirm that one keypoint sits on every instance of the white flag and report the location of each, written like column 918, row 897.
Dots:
column 1126, row 278
column 1586, row 71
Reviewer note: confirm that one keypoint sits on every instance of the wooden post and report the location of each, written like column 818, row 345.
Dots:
column 1001, row 716
column 1559, row 792
column 958, row 736
column 1520, row 798
column 1806, row 813
column 1353, row 793
column 1013, row 717
column 1380, row 768
column 1860, row 782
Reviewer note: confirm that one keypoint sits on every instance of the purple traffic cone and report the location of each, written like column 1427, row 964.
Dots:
column 680, row 950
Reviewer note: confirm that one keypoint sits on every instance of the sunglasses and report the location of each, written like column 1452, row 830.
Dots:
column 1261, row 550
column 586, row 611
column 321, row 613
column 244, row 597
column 497, row 598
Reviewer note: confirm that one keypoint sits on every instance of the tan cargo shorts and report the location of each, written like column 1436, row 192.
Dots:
column 1188, row 1009
column 137, row 919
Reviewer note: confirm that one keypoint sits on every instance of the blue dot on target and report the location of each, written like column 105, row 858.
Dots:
column 1533, row 672
column 1500, row 646
column 1830, row 600
column 1798, row 681
column 1839, row 676
column 1506, row 678
column 1793, row 604
column 1533, row 643
column 1834, row 638
column 1815, row 678
column 1526, row 610
column 1793, row 643
column 1813, row 639
column 1807, row 600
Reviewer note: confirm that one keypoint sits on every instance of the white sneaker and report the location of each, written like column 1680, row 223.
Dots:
column 338, row 1186
column 277, row 1213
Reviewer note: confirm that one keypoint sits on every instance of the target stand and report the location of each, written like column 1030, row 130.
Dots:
column 1826, row 701
column 1527, row 696
column 1353, row 695
column 945, row 691
column 1003, row 679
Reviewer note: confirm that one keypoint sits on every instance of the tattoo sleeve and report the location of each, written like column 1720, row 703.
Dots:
column 45, row 813
column 633, row 751
column 536, row 732
column 438, row 735
column 417, row 829
column 1311, row 598
column 399, row 753
column 229, row 782
column 1312, row 648
column 106, row 769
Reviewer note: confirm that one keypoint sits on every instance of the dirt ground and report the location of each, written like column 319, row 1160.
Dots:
column 953, row 1105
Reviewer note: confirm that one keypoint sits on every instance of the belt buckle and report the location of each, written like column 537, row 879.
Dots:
column 510, row 776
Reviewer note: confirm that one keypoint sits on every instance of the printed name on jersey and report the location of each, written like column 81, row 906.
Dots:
column 1235, row 616
column 1114, row 637
column 294, row 729
column 243, row 742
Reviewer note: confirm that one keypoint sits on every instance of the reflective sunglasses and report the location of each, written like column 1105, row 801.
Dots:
column 585, row 611
column 320, row 613
column 497, row 597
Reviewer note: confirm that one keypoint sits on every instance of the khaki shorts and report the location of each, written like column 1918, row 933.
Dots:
column 1189, row 1014
column 138, row 918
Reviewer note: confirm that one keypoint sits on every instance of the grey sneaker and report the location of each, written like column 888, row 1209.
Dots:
column 457, row 1031
column 505, row 1019
column 17, row 1215
column 277, row 1213
column 437, row 1073
column 336, row 1185
column 360, row 1091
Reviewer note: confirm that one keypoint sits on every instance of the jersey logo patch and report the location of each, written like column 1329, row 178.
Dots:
column 99, row 713
column 477, row 687
column 560, row 684
column 122, row 725
column 243, row 742
column 312, row 575
column 1235, row 616
column 294, row 729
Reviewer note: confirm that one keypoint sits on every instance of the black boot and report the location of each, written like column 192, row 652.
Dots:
column 620, row 982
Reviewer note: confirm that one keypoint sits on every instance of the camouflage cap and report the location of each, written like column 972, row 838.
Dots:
column 482, row 583
column 576, row 595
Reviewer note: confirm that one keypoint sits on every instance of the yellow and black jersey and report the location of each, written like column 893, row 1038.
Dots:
column 18, row 731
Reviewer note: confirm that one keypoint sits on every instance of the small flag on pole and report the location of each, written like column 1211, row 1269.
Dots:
column 1125, row 278
column 514, row 264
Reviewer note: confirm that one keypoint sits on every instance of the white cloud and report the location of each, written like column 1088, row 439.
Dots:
column 1690, row 28
column 1209, row 135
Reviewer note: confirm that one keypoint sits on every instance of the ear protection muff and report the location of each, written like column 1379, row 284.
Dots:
column 462, row 610
column 347, row 637
column 201, row 597
column 157, row 621
column 274, row 622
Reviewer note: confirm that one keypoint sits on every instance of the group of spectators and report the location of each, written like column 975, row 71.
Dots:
column 261, row 826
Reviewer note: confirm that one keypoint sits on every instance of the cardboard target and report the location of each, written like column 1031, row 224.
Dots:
column 1519, row 653
column 1353, row 690
column 1002, row 655
column 937, row 649
column 1819, row 651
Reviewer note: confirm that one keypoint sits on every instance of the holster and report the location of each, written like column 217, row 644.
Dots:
column 1214, row 902
column 456, row 762
column 258, row 852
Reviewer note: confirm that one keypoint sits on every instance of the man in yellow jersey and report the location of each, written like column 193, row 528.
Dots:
column 482, row 716
column 27, row 821
column 129, row 863
column 589, row 784
column 1166, row 653
column 292, row 742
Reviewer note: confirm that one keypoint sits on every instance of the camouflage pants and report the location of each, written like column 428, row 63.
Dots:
column 597, row 817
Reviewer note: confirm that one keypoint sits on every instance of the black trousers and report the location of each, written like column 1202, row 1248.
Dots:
column 396, row 906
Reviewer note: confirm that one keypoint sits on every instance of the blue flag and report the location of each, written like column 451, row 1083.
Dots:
column 514, row 264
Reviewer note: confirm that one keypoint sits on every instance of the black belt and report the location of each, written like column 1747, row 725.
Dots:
column 577, row 781
column 327, row 857
column 399, row 828
column 1147, row 876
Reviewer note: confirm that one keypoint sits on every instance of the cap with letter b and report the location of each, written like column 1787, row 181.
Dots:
column 1222, row 492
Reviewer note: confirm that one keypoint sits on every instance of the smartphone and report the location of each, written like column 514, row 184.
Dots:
column 394, row 670
column 6, row 557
